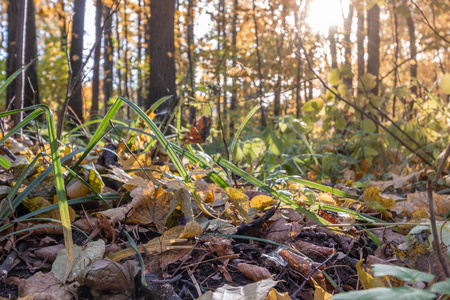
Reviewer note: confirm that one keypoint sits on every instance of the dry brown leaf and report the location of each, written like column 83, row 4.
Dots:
column 46, row 286
column 105, row 276
column 420, row 200
column 153, row 210
column 256, row 273
column 221, row 246
column 312, row 249
column 77, row 190
column 398, row 182
column 281, row 231
column 304, row 266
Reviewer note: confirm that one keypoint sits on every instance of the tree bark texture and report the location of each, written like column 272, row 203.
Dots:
column 161, row 50
column 333, row 49
column 15, row 46
column 360, row 39
column 76, row 59
column 108, row 53
column 97, row 53
column 373, row 48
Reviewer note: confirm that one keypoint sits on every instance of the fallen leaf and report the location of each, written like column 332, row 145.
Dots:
column 81, row 258
column 46, row 286
column 256, row 273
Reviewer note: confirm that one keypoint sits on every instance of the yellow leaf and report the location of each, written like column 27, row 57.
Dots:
column 239, row 202
column 372, row 194
column 320, row 293
column 367, row 280
column 261, row 201
column 274, row 295
column 96, row 181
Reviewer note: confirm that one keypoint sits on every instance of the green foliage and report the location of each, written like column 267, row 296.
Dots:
column 404, row 274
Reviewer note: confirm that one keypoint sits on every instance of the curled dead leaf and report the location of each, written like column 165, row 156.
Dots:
column 256, row 273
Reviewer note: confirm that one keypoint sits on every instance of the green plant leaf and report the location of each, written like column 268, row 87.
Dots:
column 247, row 118
column 313, row 105
column 335, row 77
column 368, row 126
column 386, row 294
column 401, row 273
column 367, row 82
column 442, row 287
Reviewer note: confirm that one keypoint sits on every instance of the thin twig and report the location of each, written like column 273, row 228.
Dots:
column 426, row 22
column 300, row 288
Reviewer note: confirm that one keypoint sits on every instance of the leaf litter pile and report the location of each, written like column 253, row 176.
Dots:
column 142, row 231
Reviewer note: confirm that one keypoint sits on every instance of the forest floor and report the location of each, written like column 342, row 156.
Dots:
column 321, row 240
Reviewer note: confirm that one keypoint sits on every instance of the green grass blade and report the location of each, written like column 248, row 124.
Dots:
column 6, row 210
column 236, row 136
column 5, row 163
column 278, row 195
column 60, row 190
column 24, row 122
column 159, row 102
column 8, row 81
column 307, row 144
column 320, row 187
column 98, row 135
column 213, row 175
column 139, row 256
column 172, row 154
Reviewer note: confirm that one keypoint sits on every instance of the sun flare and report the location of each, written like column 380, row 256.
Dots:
column 325, row 13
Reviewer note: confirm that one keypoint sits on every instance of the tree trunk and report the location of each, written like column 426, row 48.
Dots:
column 396, row 43
column 139, row 54
column 259, row 66
column 333, row 49
column 412, row 51
column 97, row 53
column 373, row 34
column 161, row 50
column 108, row 56
column 233, row 100
column 76, row 59
column 24, row 90
column 190, row 48
column 360, row 39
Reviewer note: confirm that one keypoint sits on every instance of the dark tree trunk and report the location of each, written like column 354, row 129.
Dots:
column 396, row 43
column 360, row 39
column 97, row 53
column 413, row 51
column 190, row 49
column 139, row 53
column 118, row 53
column 108, row 57
column 373, row 33
column 76, row 59
column 29, row 82
column 259, row 66
column 161, row 50
column 234, row 23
